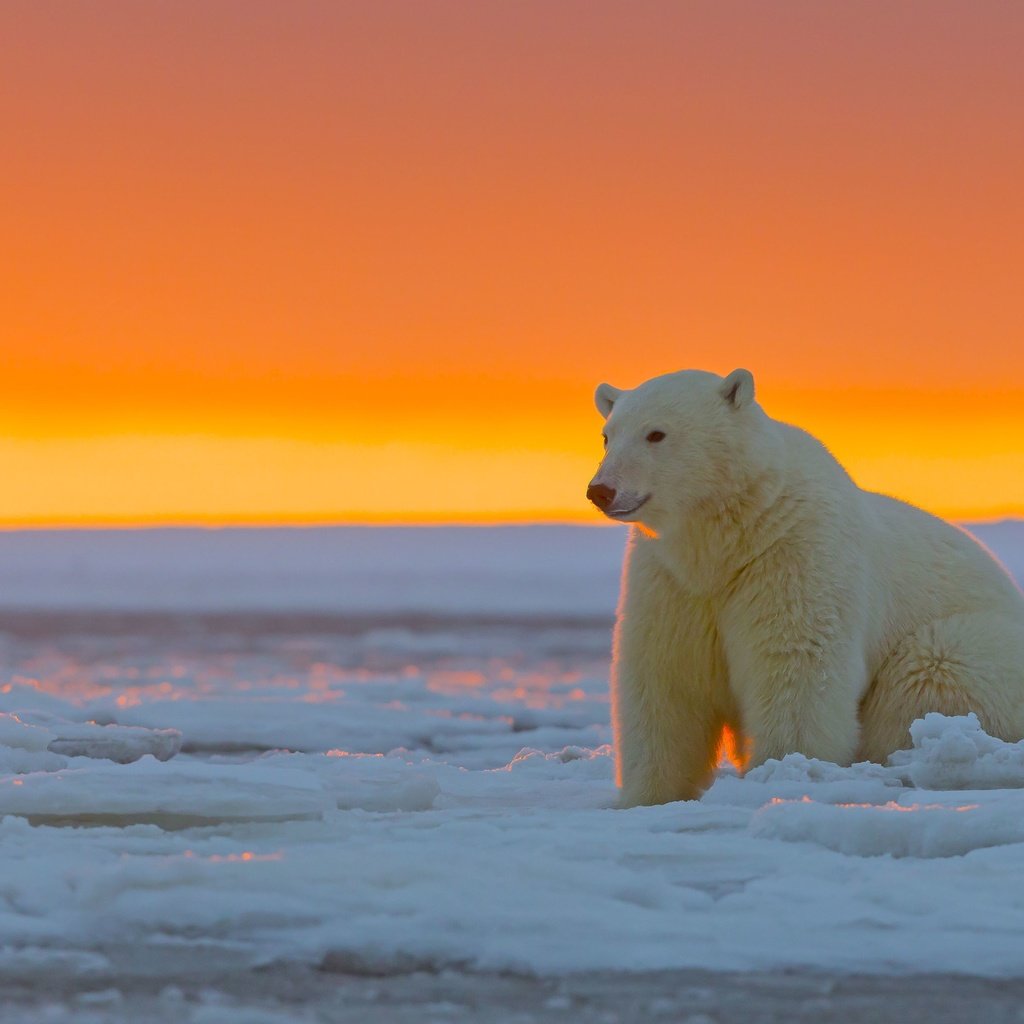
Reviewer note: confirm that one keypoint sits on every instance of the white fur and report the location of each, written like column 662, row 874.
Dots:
column 764, row 591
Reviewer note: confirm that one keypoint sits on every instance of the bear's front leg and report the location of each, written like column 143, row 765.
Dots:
column 666, row 720
column 795, row 664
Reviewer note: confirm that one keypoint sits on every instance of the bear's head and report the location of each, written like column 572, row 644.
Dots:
column 676, row 443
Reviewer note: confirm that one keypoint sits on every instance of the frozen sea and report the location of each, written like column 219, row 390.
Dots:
column 381, row 751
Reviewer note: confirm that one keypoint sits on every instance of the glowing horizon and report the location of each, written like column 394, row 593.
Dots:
column 367, row 264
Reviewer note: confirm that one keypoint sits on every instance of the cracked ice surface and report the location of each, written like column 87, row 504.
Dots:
column 403, row 789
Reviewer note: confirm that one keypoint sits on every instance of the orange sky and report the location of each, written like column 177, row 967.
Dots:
column 338, row 261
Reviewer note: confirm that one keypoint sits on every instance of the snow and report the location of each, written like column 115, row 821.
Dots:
column 437, row 570
column 957, row 754
column 405, row 784
column 174, row 795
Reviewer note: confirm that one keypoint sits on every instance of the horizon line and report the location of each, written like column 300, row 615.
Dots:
column 110, row 523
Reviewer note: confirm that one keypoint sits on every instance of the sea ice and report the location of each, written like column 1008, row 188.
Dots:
column 24, row 735
column 173, row 795
column 956, row 753
column 434, row 789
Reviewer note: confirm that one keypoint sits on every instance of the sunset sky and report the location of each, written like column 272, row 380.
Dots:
column 304, row 261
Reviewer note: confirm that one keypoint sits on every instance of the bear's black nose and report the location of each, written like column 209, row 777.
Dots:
column 601, row 496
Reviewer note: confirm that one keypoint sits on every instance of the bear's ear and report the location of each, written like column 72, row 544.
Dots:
column 738, row 388
column 605, row 397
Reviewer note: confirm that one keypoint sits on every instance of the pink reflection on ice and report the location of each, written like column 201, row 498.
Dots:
column 889, row 806
column 245, row 857
column 452, row 682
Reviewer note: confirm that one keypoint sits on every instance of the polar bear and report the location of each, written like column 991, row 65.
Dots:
column 765, row 592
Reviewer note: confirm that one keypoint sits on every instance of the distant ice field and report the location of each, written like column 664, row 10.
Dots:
column 382, row 749
column 528, row 570
column 565, row 571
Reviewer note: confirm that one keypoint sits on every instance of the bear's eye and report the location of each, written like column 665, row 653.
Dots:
column 655, row 436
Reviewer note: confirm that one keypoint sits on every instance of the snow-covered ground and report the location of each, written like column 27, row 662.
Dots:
column 383, row 749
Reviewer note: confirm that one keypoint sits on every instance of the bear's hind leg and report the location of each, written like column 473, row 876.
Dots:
column 971, row 662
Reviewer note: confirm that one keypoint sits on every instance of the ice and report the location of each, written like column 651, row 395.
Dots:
column 23, row 747
column 955, row 753
column 856, row 810
column 120, row 743
column 16, row 732
column 540, row 572
column 426, row 779
column 185, row 792
column 543, row 570
column 904, row 827
column 25, row 735
column 372, row 782
column 42, row 962
column 795, row 775
column 393, row 861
